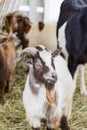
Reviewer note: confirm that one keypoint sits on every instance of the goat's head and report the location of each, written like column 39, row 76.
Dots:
column 16, row 22
column 42, row 61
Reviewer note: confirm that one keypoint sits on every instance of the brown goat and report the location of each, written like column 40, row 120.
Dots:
column 36, row 34
column 17, row 23
column 7, row 64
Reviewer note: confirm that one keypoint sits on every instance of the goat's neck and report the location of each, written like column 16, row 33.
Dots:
column 34, row 84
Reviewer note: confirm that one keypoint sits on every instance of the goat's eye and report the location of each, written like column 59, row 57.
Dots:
column 38, row 66
column 19, row 20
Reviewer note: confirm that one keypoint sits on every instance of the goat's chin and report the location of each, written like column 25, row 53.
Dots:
column 49, row 86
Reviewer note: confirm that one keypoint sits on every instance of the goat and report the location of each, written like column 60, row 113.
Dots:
column 7, row 64
column 36, row 34
column 17, row 23
column 71, row 35
column 40, row 33
column 49, row 88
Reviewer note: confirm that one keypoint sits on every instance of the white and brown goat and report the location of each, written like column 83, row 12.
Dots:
column 7, row 64
column 48, row 90
column 16, row 22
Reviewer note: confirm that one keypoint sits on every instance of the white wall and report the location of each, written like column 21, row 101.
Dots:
column 51, row 10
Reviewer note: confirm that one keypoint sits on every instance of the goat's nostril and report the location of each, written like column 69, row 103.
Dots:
column 54, row 76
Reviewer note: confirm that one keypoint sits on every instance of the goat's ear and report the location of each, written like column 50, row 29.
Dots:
column 56, row 52
column 25, row 58
column 28, row 61
column 27, row 24
column 6, row 24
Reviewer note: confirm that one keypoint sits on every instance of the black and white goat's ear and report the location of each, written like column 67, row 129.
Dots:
column 56, row 52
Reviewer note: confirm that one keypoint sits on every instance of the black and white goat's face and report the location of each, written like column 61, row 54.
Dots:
column 42, row 63
column 44, row 68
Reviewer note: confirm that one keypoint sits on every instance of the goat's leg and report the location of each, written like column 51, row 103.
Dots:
column 50, row 128
column 2, row 88
column 35, row 128
column 52, row 123
column 64, row 124
column 7, row 87
column 83, row 90
column 35, row 122
column 68, row 108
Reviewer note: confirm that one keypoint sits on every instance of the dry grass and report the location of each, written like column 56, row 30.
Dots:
column 12, row 114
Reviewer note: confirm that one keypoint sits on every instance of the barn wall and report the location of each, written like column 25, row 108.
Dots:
column 44, row 10
column 36, row 10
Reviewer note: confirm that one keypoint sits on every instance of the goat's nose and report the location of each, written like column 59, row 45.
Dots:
column 54, row 76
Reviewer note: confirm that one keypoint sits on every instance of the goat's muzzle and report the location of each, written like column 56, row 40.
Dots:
column 51, row 82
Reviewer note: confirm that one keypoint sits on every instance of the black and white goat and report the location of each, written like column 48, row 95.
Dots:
column 72, row 36
column 49, row 88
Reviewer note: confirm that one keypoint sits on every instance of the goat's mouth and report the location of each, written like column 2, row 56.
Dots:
column 51, row 82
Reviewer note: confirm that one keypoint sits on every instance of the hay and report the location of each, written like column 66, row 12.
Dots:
column 12, row 114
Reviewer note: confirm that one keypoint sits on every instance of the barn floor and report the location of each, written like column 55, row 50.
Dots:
column 12, row 114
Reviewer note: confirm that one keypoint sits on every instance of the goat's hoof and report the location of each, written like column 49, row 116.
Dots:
column 35, row 128
column 44, row 122
column 50, row 128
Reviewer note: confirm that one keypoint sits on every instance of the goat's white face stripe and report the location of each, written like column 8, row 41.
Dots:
column 46, row 57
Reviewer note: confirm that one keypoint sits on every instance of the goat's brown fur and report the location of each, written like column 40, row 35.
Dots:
column 16, row 22
column 7, row 64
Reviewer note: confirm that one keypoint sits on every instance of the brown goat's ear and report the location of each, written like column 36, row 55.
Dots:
column 56, row 52
column 27, row 24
